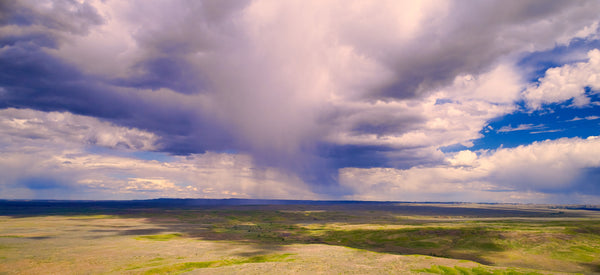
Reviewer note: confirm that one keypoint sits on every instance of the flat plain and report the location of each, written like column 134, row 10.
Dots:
column 191, row 236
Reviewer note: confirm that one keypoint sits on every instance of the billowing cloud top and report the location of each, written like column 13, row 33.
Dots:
column 305, row 99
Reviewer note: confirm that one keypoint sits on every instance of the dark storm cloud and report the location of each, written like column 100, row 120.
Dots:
column 31, row 78
column 35, row 39
column 42, row 183
column 471, row 39
column 62, row 15
column 166, row 72
column 260, row 67
column 34, row 79
column 170, row 38
column 585, row 182
column 45, row 83
column 361, row 156
column 536, row 64
column 588, row 182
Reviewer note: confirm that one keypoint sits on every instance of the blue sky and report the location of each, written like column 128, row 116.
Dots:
column 488, row 101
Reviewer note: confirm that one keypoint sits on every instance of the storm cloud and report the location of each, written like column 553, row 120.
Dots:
column 305, row 88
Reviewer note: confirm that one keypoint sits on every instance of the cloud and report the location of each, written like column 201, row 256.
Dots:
column 85, row 175
column 521, row 127
column 66, row 16
column 464, row 157
column 56, row 156
column 549, row 166
column 551, row 171
column 547, row 131
column 460, row 41
column 575, row 119
column 302, row 88
column 149, row 184
column 40, row 81
column 567, row 82
column 29, row 126
column 586, row 118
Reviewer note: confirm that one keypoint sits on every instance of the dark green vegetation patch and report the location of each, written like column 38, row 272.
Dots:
column 160, row 237
column 188, row 266
column 458, row 270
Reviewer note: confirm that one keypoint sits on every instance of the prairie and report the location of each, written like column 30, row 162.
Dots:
column 151, row 237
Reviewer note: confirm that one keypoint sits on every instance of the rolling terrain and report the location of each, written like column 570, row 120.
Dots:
column 307, row 237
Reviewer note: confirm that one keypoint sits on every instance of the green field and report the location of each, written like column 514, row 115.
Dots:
column 306, row 239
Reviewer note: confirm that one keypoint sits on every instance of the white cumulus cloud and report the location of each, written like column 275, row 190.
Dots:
column 546, row 172
column 566, row 82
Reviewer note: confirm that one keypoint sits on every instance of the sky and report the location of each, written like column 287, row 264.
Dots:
column 463, row 101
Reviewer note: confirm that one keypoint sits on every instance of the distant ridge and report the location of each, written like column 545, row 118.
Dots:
column 58, row 207
column 175, row 202
column 24, row 208
column 182, row 202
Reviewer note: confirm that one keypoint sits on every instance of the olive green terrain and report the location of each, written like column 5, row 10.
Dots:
column 275, row 239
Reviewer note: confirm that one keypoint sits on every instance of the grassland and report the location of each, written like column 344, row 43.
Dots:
column 306, row 239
